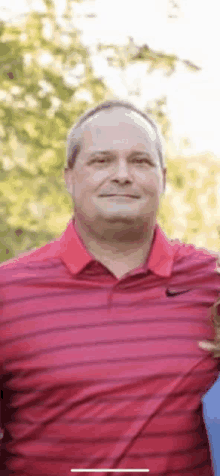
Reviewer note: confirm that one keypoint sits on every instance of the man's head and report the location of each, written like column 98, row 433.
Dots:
column 113, row 150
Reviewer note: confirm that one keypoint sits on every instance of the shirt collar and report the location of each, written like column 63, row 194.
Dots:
column 74, row 254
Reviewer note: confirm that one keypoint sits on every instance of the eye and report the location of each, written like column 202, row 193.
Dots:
column 141, row 161
column 101, row 160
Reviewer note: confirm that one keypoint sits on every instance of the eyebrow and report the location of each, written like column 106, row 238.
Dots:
column 107, row 152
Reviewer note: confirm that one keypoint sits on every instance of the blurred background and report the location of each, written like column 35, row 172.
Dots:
column 60, row 57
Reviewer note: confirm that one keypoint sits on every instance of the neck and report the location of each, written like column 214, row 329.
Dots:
column 119, row 256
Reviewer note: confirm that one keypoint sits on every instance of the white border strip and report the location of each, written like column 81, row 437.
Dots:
column 110, row 470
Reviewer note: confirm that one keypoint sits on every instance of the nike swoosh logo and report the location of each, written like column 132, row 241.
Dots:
column 173, row 292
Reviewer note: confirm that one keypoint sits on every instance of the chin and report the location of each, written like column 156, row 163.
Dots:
column 119, row 218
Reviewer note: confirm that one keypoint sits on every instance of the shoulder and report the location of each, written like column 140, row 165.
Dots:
column 198, row 268
column 194, row 256
column 34, row 258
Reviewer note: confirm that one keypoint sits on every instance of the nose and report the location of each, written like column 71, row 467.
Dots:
column 121, row 172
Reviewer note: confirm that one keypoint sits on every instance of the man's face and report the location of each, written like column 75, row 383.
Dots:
column 117, row 180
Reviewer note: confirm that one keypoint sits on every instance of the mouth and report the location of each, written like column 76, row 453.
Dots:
column 120, row 195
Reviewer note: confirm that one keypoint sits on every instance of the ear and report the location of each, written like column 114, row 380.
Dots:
column 68, row 176
column 164, row 179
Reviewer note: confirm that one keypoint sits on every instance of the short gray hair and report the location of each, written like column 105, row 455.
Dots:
column 75, row 135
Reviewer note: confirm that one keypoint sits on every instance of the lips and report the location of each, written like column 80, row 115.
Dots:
column 120, row 195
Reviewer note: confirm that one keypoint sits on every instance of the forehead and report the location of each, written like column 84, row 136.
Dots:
column 118, row 128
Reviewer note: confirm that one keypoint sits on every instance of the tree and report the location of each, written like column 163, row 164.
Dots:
column 190, row 207
column 37, row 108
column 39, row 104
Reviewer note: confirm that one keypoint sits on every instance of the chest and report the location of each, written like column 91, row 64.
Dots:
column 72, row 335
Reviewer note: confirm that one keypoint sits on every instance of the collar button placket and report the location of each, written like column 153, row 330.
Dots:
column 110, row 298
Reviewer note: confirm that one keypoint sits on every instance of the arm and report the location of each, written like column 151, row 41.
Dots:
column 213, row 346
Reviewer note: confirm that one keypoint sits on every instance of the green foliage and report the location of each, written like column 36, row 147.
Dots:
column 121, row 56
column 190, row 207
column 38, row 105
column 37, row 109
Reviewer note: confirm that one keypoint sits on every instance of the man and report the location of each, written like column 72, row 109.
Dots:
column 116, row 186
column 99, row 356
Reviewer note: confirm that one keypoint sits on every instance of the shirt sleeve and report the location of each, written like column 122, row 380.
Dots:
column 211, row 415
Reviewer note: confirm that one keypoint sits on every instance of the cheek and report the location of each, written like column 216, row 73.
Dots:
column 150, row 182
column 85, row 184
column 100, row 175
column 91, row 181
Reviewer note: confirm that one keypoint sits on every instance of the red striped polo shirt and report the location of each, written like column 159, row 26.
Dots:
column 105, row 373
